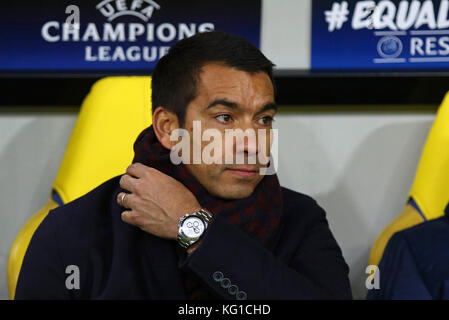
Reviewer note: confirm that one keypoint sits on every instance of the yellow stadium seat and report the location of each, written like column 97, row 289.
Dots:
column 112, row 115
column 430, row 191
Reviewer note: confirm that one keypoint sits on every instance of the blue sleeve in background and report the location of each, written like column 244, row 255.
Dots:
column 400, row 277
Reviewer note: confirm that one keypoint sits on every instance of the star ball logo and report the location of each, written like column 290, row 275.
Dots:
column 422, row 27
column 136, row 40
column 389, row 47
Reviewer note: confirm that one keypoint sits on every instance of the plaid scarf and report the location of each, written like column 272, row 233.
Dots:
column 258, row 215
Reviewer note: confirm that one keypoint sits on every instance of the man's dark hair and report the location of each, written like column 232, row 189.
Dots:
column 176, row 75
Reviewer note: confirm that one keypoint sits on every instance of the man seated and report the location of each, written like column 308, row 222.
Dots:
column 179, row 226
column 415, row 264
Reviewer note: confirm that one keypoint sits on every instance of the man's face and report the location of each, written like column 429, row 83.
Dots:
column 231, row 99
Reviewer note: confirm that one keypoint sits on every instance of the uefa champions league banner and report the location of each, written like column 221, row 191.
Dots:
column 356, row 34
column 111, row 35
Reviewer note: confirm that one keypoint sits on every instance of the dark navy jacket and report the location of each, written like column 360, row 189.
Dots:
column 415, row 263
column 120, row 261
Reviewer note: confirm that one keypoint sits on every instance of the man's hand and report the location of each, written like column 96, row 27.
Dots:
column 156, row 201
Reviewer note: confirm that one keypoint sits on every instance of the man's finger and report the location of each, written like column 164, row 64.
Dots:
column 128, row 217
column 127, row 200
column 128, row 183
column 137, row 170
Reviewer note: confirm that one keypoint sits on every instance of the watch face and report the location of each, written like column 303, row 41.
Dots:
column 193, row 227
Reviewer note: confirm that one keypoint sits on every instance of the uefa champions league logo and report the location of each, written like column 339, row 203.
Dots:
column 142, row 9
column 120, row 41
column 389, row 47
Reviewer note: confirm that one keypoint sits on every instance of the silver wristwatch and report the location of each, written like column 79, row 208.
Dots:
column 192, row 226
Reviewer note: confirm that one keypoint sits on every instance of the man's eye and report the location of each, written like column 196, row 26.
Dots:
column 223, row 118
column 266, row 121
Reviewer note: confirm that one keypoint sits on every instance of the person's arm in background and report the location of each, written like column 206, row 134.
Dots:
column 400, row 278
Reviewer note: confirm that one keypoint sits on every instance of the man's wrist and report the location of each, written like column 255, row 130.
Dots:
column 193, row 247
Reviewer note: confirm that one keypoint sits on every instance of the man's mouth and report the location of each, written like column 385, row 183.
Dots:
column 244, row 171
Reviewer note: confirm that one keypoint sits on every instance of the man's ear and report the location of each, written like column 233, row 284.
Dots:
column 164, row 122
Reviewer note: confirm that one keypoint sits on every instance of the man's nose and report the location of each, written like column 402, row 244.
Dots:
column 247, row 140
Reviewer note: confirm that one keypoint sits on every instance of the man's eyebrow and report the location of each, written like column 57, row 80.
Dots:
column 269, row 106
column 235, row 105
column 223, row 102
